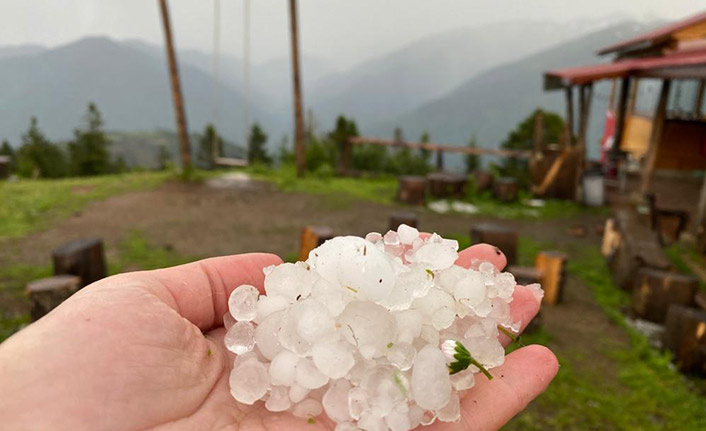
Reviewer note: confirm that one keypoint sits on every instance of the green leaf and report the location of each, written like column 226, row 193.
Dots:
column 464, row 360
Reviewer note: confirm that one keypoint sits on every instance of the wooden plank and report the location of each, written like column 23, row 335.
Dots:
column 551, row 265
column 47, row 293
column 656, row 290
column 445, row 148
column 657, row 127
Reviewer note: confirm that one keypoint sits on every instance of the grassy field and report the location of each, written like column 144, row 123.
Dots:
column 29, row 205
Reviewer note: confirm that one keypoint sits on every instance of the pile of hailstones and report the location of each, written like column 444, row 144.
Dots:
column 366, row 330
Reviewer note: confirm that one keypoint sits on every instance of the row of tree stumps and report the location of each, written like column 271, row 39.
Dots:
column 670, row 301
column 76, row 265
column 414, row 189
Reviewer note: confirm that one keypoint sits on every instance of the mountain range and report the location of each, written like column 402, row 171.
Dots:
column 480, row 80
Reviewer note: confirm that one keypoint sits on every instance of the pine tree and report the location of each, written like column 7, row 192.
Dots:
column 7, row 150
column 88, row 152
column 209, row 138
column 257, row 150
column 38, row 157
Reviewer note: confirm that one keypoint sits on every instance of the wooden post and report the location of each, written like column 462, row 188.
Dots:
column 439, row 160
column 312, row 237
column 506, row 189
column 483, row 180
column 551, row 265
column 585, row 96
column 656, row 290
column 685, row 336
column 620, row 114
column 299, row 147
column 500, row 236
column 412, row 190
column 701, row 210
column 185, row 149
column 84, row 258
column 699, row 99
column 403, row 217
column 47, row 293
column 655, row 137
column 570, row 115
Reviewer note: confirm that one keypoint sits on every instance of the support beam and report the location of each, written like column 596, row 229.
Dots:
column 585, row 96
column 699, row 99
column 701, row 210
column 570, row 116
column 439, row 160
column 620, row 114
column 655, row 137
column 299, row 148
column 538, row 133
column 184, row 147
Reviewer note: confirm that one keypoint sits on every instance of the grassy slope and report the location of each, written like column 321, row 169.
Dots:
column 29, row 205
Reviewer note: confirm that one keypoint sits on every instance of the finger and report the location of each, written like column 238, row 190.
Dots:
column 485, row 252
column 491, row 403
column 199, row 291
column 524, row 306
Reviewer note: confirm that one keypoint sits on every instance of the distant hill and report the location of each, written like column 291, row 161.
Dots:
column 392, row 84
column 491, row 104
column 130, row 87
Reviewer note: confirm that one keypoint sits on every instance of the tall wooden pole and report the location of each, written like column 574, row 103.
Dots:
column 570, row 115
column 176, row 90
column 655, row 137
column 298, row 113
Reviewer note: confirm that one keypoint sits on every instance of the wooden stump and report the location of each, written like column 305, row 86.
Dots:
column 656, row 290
column 47, row 293
column 412, row 190
column 403, row 217
column 500, row 236
column 685, row 336
column 700, row 300
column 506, row 189
column 611, row 239
column 4, row 167
column 637, row 248
column 312, row 237
column 84, row 258
column 446, row 185
column 525, row 275
column 483, row 180
column 551, row 265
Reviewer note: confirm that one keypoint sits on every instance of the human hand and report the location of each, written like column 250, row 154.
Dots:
column 145, row 350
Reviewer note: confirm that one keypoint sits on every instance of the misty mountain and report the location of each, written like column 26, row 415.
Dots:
column 494, row 102
column 390, row 85
column 130, row 87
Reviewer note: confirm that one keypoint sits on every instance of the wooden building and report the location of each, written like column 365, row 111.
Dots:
column 657, row 113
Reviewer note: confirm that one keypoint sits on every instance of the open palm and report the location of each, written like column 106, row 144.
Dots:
column 145, row 350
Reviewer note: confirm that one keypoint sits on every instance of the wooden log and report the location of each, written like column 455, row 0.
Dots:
column 656, row 290
column 446, row 185
column 412, row 190
column 403, row 217
column 84, row 258
column 552, row 265
column 498, row 235
column 638, row 248
column 47, row 293
column 525, row 275
column 506, row 189
column 312, row 237
column 685, row 336
column 483, row 180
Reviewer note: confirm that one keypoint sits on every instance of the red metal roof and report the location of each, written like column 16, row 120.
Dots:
column 654, row 35
column 649, row 66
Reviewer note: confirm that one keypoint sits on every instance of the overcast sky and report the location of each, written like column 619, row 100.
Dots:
column 337, row 31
